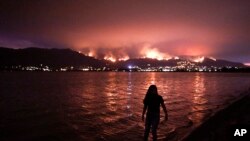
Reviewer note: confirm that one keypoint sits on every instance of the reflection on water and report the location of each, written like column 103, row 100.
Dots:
column 129, row 93
column 111, row 92
column 199, row 98
column 108, row 106
column 153, row 78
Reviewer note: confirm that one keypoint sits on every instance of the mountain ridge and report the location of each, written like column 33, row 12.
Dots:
column 68, row 57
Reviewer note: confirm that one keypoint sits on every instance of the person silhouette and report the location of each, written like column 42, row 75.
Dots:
column 152, row 102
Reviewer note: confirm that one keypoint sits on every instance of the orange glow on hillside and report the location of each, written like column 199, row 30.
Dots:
column 154, row 53
column 110, row 58
column 212, row 58
column 91, row 53
column 123, row 58
column 247, row 64
column 199, row 59
column 192, row 49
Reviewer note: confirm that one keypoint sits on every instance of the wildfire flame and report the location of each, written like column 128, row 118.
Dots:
column 113, row 58
column 176, row 57
column 91, row 53
column 123, row 58
column 212, row 58
column 146, row 51
column 110, row 58
column 154, row 53
column 247, row 64
column 199, row 59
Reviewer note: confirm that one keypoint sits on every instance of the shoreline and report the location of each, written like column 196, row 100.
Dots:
column 218, row 126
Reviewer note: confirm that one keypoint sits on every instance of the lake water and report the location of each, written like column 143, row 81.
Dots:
column 108, row 105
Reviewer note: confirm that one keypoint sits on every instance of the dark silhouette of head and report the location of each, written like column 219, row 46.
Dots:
column 152, row 90
column 151, row 94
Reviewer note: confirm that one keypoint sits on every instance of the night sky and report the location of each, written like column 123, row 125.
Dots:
column 130, row 28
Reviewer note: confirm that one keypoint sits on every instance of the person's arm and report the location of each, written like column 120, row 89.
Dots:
column 164, row 109
column 144, row 111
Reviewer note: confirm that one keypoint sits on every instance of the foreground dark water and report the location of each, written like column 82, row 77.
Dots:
column 107, row 106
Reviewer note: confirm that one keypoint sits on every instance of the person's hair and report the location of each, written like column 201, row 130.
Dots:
column 151, row 93
column 152, row 90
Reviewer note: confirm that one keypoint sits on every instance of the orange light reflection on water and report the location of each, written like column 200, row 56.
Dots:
column 152, row 77
column 111, row 93
column 199, row 99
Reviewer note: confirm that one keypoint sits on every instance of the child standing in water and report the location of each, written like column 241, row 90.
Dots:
column 152, row 102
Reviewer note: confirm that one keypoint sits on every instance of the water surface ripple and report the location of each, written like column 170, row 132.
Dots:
column 107, row 106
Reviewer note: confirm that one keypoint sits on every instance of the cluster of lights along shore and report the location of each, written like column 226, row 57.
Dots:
column 181, row 65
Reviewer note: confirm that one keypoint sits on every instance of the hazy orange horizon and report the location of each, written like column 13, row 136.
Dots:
column 130, row 29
